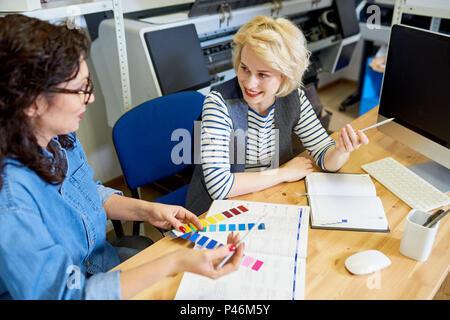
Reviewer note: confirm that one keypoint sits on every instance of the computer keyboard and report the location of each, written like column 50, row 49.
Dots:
column 405, row 184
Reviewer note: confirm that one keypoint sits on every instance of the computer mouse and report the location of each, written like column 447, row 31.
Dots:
column 366, row 262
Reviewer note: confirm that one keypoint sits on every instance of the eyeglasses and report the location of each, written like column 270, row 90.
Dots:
column 87, row 91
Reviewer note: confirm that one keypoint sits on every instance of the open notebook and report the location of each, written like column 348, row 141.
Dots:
column 345, row 201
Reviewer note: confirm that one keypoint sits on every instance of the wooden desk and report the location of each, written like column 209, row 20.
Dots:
column 326, row 276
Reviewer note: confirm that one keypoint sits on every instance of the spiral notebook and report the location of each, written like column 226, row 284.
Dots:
column 344, row 201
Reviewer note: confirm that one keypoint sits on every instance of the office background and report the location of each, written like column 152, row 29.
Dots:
column 334, row 85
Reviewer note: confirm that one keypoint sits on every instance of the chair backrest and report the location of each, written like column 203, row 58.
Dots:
column 143, row 136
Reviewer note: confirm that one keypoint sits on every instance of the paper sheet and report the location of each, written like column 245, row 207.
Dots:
column 359, row 212
column 340, row 184
column 281, row 246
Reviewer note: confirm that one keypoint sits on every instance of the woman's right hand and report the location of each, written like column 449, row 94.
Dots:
column 297, row 168
column 204, row 262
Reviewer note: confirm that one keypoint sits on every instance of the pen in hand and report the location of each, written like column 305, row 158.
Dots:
column 378, row 124
column 222, row 263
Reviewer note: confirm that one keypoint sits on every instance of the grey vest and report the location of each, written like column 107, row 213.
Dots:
column 286, row 116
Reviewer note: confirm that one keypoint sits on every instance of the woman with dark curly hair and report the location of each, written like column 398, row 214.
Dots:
column 52, row 213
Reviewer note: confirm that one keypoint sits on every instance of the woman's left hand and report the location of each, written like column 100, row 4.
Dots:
column 167, row 216
column 350, row 140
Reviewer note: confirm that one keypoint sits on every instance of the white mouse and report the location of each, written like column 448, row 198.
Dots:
column 366, row 262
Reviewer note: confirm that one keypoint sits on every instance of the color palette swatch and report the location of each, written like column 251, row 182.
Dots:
column 232, row 227
column 208, row 243
column 209, row 221
column 252, row 263
column 210, row 225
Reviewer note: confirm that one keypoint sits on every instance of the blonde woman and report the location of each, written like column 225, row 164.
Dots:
column 247, row 122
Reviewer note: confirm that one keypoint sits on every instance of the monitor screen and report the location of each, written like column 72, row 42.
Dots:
column 345, row 55
column 416, row 83
column 416, row 91
column 177, row 59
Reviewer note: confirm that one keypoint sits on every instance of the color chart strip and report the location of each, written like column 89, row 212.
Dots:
column 296, row 252
column 208, row 243
column 232, row 227
column 209, row 221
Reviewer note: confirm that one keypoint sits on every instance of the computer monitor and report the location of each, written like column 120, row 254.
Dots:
column 416, row 92
column 344, row 56
column 338, row 56
column 177, row 59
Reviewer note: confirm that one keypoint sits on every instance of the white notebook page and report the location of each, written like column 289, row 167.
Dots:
column 340, row 184
column 365, row 212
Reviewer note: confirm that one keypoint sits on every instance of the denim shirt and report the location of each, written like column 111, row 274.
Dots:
column 53, row 237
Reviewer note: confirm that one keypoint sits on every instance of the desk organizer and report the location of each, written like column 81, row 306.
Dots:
column 417, row 240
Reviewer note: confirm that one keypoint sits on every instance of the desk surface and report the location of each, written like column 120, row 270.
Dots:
column 326, row 276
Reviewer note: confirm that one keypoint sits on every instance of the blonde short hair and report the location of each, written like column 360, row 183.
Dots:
column 280, row 44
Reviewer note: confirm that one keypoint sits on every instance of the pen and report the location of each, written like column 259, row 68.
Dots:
column 334, row 222
column 435, row 218
column 239, row 243
column 432, row 216
column 378, row 124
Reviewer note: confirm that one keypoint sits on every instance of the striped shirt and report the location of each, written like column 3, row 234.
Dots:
column 215, row 136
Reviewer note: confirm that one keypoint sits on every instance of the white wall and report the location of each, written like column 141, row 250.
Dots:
column 96, row 136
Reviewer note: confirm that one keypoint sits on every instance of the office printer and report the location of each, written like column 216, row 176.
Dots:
column 188, row 46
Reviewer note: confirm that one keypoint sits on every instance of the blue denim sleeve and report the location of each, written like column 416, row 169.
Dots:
column 53, row 274
column 103, row 286
column 106, row 192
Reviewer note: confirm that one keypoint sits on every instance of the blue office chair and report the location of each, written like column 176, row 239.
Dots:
column 143, row 141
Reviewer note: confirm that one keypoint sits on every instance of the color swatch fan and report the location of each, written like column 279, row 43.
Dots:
column 209, row 221
column 202, row 241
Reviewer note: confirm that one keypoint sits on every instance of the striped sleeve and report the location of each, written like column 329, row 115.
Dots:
column 215, row 136
column 311, row 132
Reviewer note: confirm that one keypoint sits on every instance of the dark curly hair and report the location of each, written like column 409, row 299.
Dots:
column 35, row 56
